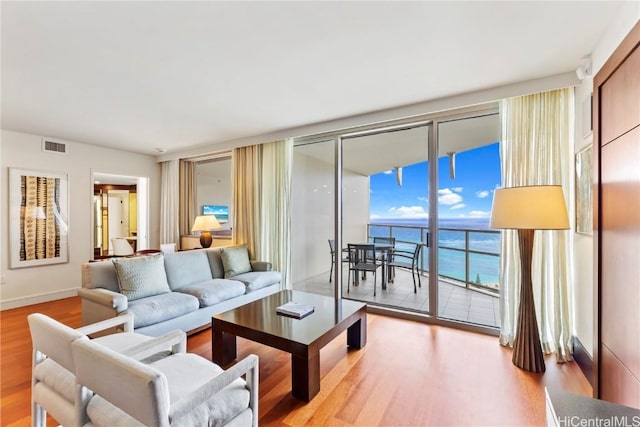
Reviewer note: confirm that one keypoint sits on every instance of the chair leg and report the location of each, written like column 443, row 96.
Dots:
column 331, row 271
column 413, row 276
column 348, row 279
column 374, row 283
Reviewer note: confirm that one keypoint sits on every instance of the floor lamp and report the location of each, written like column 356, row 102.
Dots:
column 526, row 209
column 205, row 223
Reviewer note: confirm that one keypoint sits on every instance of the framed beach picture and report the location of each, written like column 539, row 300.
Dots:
column 38, row 217
column 584, row 191
column 220, row 211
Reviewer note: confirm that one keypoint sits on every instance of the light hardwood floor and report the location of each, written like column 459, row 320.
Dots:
column 408, row 374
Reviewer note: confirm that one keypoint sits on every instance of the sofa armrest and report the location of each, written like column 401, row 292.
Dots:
column 260, row 266
column 105, row 297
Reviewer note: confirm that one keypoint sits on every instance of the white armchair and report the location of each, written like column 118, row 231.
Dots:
column 53, row 382
column 182, row 389
column 121, row 246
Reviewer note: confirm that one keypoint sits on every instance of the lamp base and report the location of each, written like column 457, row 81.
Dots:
column 527, row 350
column 205, row 239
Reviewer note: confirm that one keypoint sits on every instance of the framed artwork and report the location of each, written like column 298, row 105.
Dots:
column 584, row 191
column 38, row 218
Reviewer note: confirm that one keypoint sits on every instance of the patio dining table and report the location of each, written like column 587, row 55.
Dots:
column 385, row 249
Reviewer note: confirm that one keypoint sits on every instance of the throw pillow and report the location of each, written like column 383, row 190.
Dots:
column 141, row 277
column 235, row 260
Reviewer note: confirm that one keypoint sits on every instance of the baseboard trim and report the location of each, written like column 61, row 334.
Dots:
column 583, row 359
column 37, row 299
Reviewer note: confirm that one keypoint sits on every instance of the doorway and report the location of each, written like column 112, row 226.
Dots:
column 120, row 210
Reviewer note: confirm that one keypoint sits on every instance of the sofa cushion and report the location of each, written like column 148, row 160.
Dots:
column 158, row 308
column 213, row 291
column 259, row 279
column 100, row 274
column 141, row 277
column 215, row 262
column 186, row 267
column 235, row 260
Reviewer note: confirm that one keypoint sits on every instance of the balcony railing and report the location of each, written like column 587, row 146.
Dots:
column 468, row 257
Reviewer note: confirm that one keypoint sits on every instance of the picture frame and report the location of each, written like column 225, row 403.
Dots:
column 38, row 218
column 584, row 191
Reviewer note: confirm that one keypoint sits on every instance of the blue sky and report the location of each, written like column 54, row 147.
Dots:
column 469, row 195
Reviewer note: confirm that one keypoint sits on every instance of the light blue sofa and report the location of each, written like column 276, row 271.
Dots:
column 197, row 289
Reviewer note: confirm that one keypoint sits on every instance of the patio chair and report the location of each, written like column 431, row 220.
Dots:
column 408, row 260
column 363, row 258
column 52, row 375
column 182, row 389
column 332, row 249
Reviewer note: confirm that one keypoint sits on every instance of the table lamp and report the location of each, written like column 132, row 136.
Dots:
column 205, row 223
column 526, row 209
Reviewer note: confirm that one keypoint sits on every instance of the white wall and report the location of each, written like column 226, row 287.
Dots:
column 312, row 213
column 583, row 244
column 31, row 285
column 213, row 186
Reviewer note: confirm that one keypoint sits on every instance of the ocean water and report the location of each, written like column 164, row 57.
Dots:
column 483, row 268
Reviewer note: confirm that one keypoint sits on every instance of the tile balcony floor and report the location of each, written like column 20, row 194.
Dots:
column 454, row 302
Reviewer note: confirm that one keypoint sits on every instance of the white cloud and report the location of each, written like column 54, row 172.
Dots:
column 389, row 172
column 479, row 214
column 448, row 197
column 374, row 216
column 482, row 194
column 457, row 189
column 458, row 206
column 423, row 199
column 409, row 212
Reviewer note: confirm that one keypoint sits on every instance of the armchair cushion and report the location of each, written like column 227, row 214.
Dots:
column 235, row 260
column 141, row 277
column 176, row 390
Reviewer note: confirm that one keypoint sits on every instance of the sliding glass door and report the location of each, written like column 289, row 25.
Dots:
column 420, row 192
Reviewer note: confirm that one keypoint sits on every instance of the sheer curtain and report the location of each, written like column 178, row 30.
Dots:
column 275, row 212
column 261, row 202
column 187, row 201
column 169, row 202
column 537, row 132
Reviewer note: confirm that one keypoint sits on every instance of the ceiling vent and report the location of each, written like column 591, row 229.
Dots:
column 54, row 147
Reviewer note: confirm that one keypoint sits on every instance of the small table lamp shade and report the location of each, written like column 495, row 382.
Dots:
column 526, row 209
column 205, row 223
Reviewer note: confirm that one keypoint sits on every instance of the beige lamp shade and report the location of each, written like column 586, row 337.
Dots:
column 205, row 223
column 536, row 207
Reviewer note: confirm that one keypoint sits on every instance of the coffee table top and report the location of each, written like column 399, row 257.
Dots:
column 261, row 316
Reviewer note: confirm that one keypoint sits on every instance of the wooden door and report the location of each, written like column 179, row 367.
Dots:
column 617, row 215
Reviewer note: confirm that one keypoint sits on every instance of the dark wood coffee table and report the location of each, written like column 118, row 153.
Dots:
column 303, row 338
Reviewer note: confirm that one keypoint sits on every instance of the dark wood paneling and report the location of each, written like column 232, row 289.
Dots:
column 620, row 387
column 620, row 236
column 620, row 98
column 583, row 359
column 617, row 225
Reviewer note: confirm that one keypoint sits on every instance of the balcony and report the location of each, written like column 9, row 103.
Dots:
column 468, row 288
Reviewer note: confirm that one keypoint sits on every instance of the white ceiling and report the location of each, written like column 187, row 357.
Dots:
column 174, row 75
